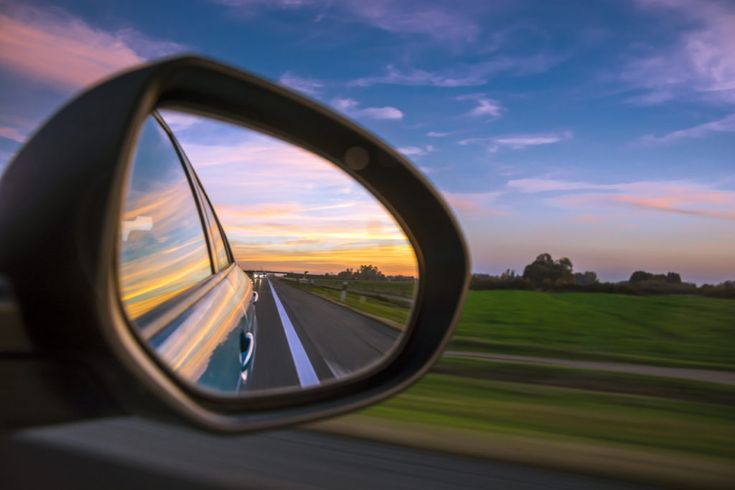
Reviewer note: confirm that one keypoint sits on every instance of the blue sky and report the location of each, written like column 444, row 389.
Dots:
column 599, row 130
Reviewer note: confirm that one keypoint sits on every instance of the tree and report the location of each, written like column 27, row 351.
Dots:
column 643, row 276
column 369, row 272
column 640, row 276
column 545, row 271
column 673, row 278
column 346, row 274
column 586, row 278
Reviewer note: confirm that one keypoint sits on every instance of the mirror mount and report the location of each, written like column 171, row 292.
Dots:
column 66, row 285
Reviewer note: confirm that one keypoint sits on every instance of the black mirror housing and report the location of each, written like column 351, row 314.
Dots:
column 68, row 352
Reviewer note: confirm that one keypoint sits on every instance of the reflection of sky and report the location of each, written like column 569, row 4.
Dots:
column 158, row 263
column 284, row 208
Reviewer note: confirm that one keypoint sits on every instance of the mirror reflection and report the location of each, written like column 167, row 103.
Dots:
column 246, row 263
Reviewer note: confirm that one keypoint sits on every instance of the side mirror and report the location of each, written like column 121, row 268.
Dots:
column 123, row 293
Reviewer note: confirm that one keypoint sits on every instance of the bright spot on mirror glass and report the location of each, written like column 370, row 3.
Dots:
column 317, row 282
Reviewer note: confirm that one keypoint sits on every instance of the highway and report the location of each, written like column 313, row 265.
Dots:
column 302, row 339
column 137, row 454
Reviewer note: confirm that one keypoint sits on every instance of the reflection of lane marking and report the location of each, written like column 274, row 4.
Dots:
column 304, row 369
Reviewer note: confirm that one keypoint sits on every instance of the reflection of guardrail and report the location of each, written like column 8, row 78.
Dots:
column 390, row 314
column 388, row 298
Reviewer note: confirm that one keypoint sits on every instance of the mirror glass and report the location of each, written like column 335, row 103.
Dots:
column 246, row 263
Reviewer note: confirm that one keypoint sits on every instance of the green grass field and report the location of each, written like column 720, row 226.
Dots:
column 491, row 406
column 668, row 330
column 667, row 431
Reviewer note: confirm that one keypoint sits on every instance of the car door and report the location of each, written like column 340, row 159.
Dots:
column 180, row 287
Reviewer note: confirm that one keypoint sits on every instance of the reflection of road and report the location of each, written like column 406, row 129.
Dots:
column 302, row 338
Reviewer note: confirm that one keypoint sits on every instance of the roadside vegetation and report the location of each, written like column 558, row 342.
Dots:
column 661, row 430
column 366, row 290
column 688, row 331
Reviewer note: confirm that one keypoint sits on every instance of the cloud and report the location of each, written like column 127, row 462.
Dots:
column 467, row 75
column 351, row 108
column 700, row 62
column 519, row 142
column 484, row 106
column 413, row 17
column 531, row 186
column 308, row 86
column 12, row 134
column 724, row 125
column 62, row 51
column 179, row 121
column 673, row 197
column 481, row 204
column 416, row 151
column 438, row 134
column 417, row 77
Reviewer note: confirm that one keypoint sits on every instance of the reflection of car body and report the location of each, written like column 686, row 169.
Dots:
column 179, row 283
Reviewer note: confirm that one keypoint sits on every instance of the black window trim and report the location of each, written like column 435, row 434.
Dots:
column 202, row 199
column 192, row 186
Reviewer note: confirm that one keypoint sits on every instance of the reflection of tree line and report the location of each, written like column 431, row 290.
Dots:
column 367, row 280
column 547, row 274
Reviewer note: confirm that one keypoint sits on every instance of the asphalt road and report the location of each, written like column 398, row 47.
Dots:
column 302, row 339
column 133, row 453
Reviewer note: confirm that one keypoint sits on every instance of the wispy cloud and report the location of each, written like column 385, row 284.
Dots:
column 467, row 75
column 724, row 125
column 418, row 77
column 673, row 197
column 62, row 51
column 308, row 86
column 12, row 134
column 480, row 204
column 484, row 106
column 416, row 151
column 352, row 108
column 701, row 61
column 438, row 134
column 519, row 142
column 413, row 17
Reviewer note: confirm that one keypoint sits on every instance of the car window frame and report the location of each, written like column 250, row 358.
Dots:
column 202, row 200
column 153, row 321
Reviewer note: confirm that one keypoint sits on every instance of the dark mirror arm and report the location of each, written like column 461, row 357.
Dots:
column 60, row 201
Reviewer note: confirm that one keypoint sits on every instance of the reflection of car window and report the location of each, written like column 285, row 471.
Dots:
column 162, row 246
column 220, row 252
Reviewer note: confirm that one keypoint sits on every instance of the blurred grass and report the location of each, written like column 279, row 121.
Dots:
column 489, row 406
column 666, row 431
column 586, row 379
column 688, row 331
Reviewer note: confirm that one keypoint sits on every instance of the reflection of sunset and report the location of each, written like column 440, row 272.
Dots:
column 169, row 255
column 189, row 349
column 392, row 260
column 286, row 209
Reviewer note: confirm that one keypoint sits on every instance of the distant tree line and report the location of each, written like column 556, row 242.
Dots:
column 547, row 274
column 366, row 272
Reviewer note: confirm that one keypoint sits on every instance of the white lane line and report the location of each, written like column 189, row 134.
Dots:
column 304, row 369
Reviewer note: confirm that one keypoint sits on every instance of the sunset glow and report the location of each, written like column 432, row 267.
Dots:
column 286, row 209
